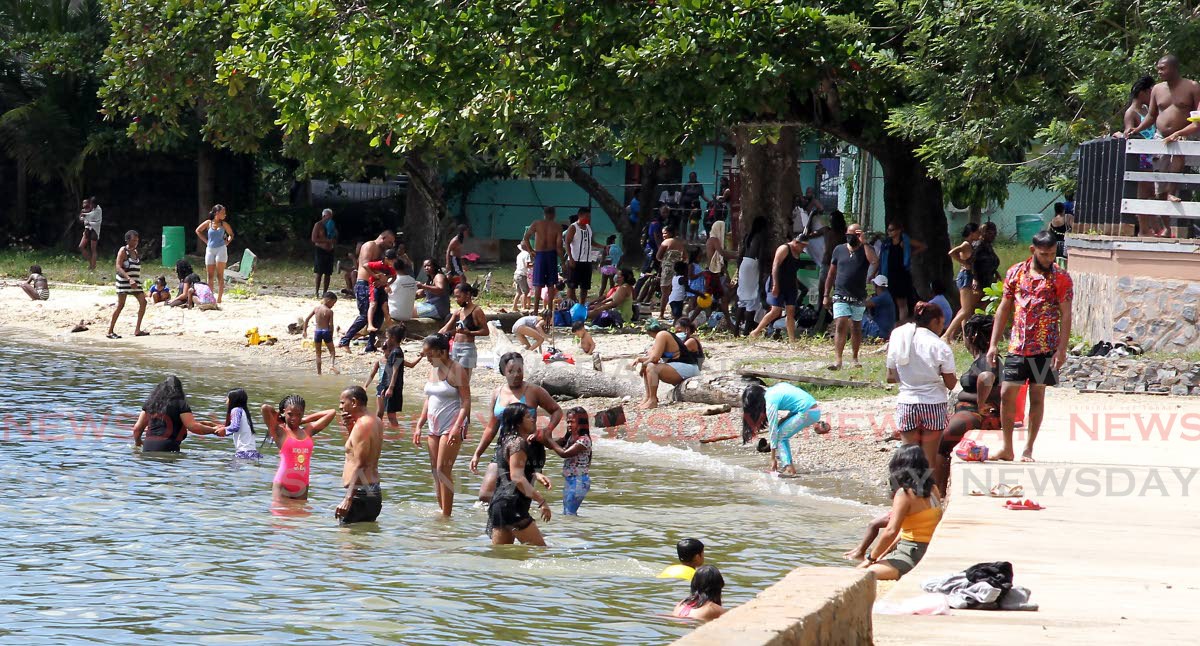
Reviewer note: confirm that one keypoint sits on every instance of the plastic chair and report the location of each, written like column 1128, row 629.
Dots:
column 240, row 271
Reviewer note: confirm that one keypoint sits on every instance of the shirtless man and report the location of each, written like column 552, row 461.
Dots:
column 1170, row 104
column 548, row 238
column 360, row 475
column 1148, row 225
column 323, row 244
column 454, row 266
column 369, row 252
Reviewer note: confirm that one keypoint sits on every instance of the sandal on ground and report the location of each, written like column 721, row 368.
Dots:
column 142, row 333
column 1023, row 505
column 112, row 335
column 1006, row 491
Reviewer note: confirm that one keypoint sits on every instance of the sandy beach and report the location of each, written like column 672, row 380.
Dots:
column 855, row 453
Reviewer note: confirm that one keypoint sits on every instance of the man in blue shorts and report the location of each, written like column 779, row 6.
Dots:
column 547, row 247
column 846, row 291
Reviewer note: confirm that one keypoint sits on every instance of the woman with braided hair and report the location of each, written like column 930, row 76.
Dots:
column 978, row 406
column 293, row 432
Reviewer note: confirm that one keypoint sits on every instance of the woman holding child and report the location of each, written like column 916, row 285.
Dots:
column 166, row 419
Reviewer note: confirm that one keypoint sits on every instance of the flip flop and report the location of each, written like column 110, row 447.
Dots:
column 112, row 335
column 1023, row 505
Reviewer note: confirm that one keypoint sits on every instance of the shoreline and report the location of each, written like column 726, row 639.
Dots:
column 852, row 458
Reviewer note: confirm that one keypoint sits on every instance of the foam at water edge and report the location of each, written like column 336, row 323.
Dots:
column 662, row 454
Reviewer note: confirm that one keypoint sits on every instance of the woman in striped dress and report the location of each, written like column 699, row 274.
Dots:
column 129, row 281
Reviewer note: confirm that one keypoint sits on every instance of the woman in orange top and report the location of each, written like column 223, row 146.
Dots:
column 916, row 511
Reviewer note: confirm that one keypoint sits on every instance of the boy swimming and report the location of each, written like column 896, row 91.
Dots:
column 691, row 557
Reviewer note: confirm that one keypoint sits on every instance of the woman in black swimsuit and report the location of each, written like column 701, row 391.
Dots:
column 467, row 323
column 978, row 406
column 166, row 419
column 508, row 516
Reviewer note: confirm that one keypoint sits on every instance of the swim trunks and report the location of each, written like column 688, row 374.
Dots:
column 545, row 268
column 366, row 501
column 323, row 336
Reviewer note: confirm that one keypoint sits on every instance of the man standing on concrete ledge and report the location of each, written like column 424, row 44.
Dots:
column 1041, row 295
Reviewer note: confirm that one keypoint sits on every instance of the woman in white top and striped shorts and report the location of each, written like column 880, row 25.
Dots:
column 923, row 365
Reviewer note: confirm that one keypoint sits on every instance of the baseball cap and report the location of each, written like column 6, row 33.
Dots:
column 880, row 280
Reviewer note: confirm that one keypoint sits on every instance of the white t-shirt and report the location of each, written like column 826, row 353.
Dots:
column 928, row 359
column 239, row 430
column 92, row 219
column 400, row 301
column 816, row 249
column 528, row 321
column 523, row 260
column 799, row 220
column 678, row 289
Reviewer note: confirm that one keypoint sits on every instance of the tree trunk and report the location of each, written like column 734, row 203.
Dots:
column 722, row 388
column 426, row 214
column 770, row 183
column 915, row 200
column 609, row 203
column 975, row 214
column 206, row 184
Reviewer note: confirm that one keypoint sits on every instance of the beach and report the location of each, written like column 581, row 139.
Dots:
column 850, row 460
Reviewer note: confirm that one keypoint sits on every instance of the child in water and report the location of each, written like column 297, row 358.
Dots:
column 575, row 448
column 159, row 292
column 704, row 602
column 238, row 424
column 691, row 556
column 390, row 366
column 292, row 431
column 324, row 334
column 36, row 286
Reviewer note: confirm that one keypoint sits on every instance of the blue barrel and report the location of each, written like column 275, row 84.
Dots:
column 1027, row 225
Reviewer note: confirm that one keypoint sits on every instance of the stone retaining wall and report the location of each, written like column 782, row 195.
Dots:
column 1160, row 314
column 811, row 606
column 1131, row 374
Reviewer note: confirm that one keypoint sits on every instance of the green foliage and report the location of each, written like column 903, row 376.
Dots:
column 992, row 295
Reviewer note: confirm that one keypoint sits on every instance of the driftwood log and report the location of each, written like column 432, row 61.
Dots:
column 720, row 388
column 581, row 381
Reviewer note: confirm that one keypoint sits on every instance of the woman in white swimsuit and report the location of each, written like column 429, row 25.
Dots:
column 447, row 409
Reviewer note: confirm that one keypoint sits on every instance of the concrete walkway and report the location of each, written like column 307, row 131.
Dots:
column 1112, row 558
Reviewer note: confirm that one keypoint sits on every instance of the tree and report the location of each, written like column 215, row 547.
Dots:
column 163, row 83
column 49, row 70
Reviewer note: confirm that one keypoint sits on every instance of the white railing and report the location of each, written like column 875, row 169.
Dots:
column 1138, row 146
column 356, row 191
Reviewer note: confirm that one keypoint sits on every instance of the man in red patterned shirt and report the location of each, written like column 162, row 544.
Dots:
column 1037, row 295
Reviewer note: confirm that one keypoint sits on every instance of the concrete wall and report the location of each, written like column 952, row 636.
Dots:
column 1145, row 289
column 811, row 606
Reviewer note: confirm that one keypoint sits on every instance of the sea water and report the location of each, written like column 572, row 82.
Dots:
column 106, row 545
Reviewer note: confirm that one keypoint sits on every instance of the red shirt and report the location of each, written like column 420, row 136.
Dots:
column 1037, row 320
column 383, row 267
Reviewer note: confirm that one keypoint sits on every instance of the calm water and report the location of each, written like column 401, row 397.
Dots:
column 105, row 545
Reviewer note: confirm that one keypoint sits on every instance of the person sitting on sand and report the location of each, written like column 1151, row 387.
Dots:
column 586, row 343
column 691, row 556
column 323, row 313
column 618, row 300
column 916, row 511
column 704, row 602
column 198, row 294
column 530, row 332
column 763, row 407
column 159, row 292
column 36, row 286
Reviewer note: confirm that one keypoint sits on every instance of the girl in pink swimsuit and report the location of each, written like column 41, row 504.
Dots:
column 293, row 432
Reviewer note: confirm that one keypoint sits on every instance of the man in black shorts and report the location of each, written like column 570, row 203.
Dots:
column 580, row 244
column 360, row 474
column 323, row 243
column 1038, row 295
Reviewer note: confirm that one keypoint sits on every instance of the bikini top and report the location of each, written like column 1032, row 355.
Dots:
column 468, row 318
column 499, row 408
